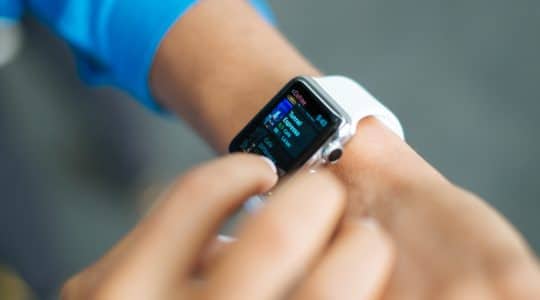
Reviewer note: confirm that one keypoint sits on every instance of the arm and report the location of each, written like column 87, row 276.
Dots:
column 217, row 71
column 235, row 59
column 114, row 41
column 449, row 243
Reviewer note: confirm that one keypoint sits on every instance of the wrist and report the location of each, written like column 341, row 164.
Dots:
column 377, row 164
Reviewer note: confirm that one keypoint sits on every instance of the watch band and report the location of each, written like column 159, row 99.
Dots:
column 357, row 102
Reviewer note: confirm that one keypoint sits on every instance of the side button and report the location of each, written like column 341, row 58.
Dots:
column 333, row 152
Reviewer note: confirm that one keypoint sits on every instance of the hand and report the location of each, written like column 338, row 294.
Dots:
column 291, row 248
column 449, row 244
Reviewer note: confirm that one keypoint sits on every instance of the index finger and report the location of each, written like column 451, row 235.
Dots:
column 276, row 245
column 170, row 239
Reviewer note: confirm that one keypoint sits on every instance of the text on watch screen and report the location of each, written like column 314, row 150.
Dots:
column 291, row 128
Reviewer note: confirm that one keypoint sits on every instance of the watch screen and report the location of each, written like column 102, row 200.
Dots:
column 290, row 129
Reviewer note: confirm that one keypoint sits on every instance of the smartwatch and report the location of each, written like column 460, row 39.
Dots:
column 309, row 122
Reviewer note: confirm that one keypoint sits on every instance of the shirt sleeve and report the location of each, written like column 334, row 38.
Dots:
column 10, row 9
column 115, row 41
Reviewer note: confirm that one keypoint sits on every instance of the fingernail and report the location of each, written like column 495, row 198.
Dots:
column 254, row 204
column 270, row 163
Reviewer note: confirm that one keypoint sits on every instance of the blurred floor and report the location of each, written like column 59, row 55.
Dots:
column 462, row 76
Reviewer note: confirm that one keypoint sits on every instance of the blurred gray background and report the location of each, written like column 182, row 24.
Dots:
column 78, row 164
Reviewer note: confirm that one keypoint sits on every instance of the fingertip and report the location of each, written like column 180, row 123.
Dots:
column 270, row 163
column 252, row 166
column 272, row 176
column 267, row 169
column 255, row 160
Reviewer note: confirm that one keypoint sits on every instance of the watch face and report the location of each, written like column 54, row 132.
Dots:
column 289, row 129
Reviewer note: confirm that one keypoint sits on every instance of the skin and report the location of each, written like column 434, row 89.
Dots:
column 449, row 243
column 292, row 244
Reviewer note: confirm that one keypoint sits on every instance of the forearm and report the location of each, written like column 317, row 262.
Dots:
column 220, row 64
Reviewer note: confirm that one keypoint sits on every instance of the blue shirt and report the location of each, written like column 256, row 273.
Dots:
column 115, row 41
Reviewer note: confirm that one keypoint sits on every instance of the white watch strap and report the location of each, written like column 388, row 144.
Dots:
column 358, row 102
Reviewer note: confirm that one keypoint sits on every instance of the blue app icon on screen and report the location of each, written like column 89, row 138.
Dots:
column 281, row 110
